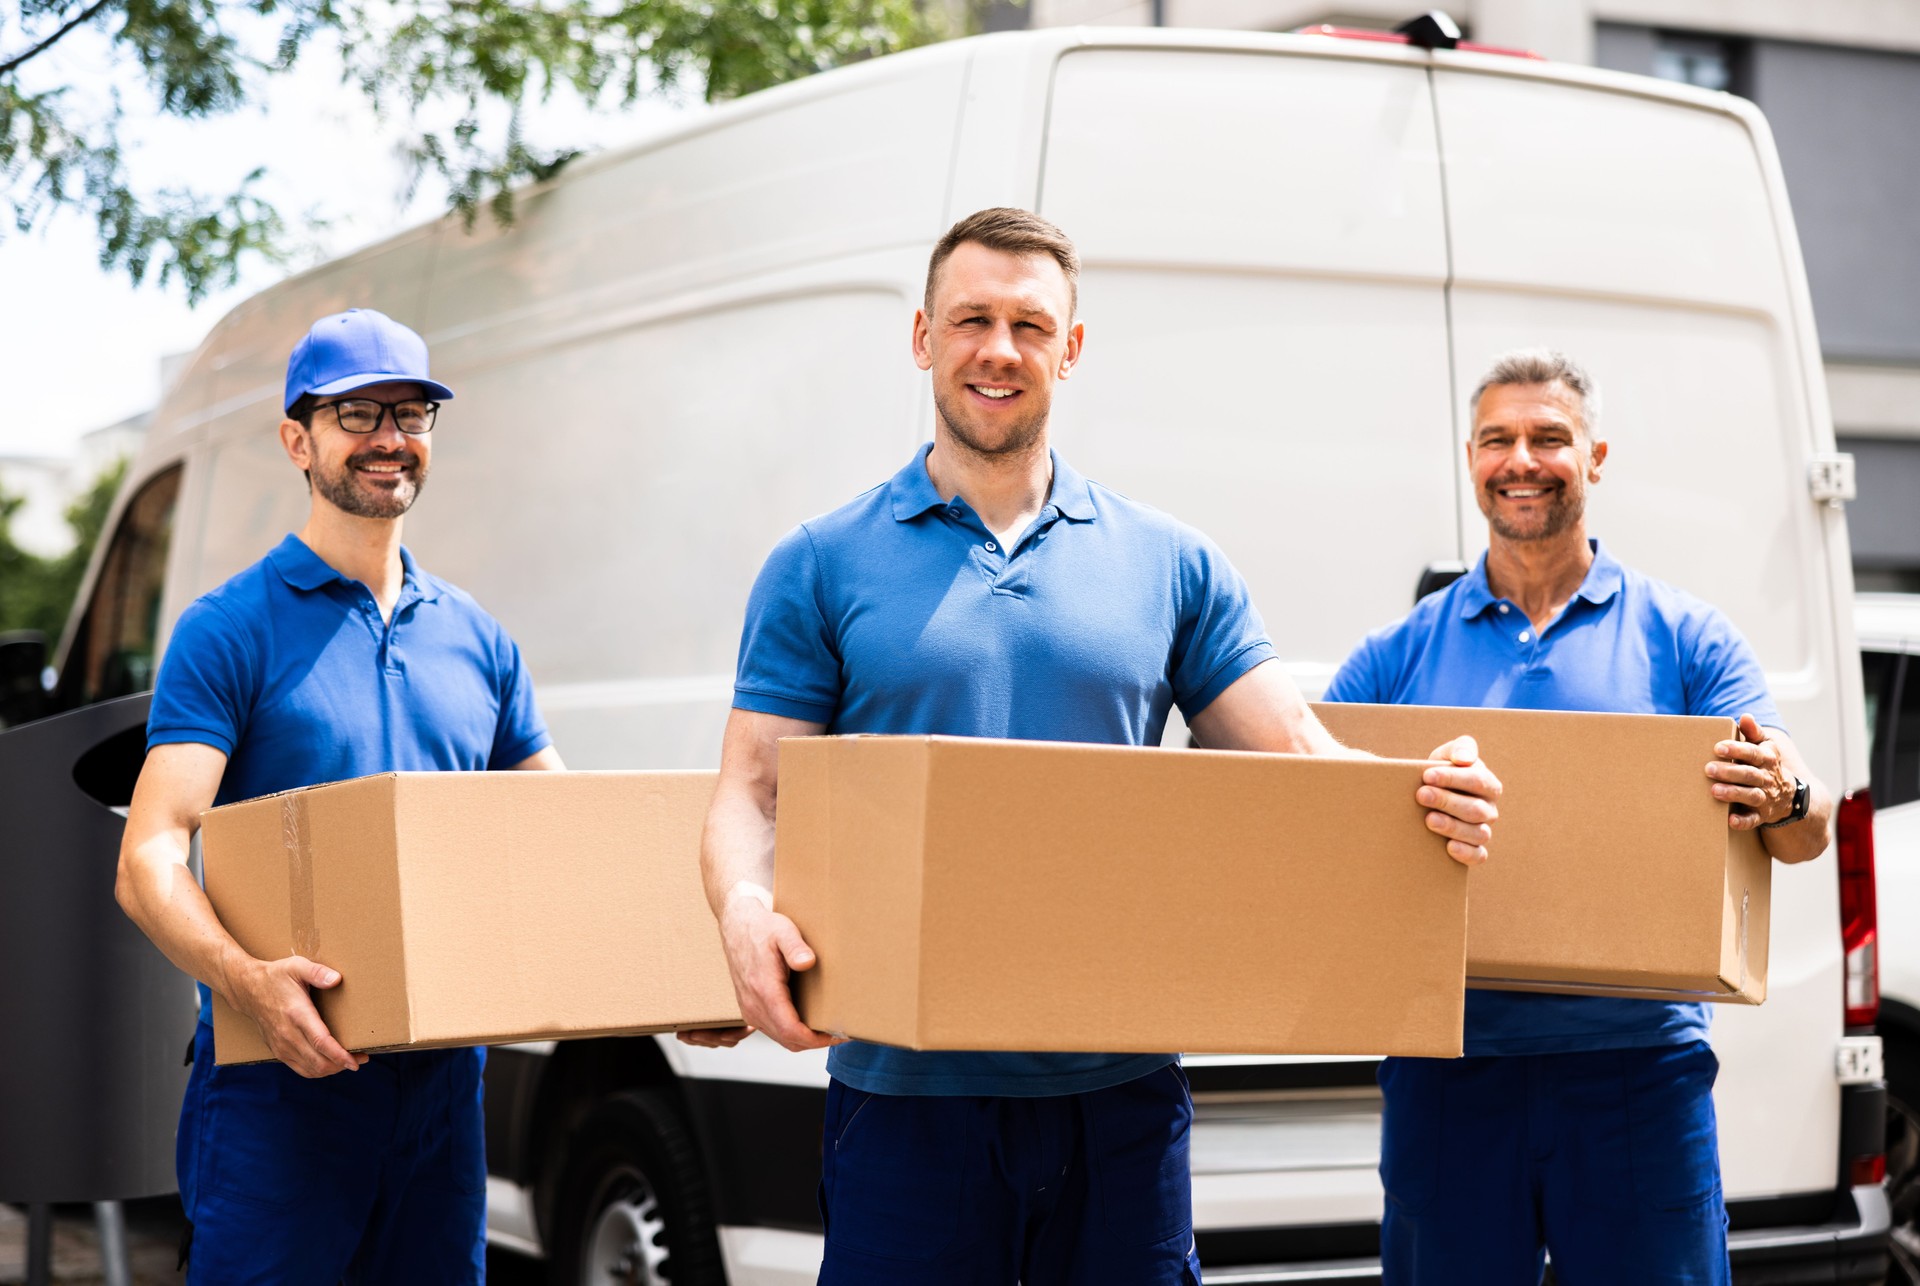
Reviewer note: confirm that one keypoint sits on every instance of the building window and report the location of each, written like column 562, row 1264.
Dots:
column 1708, row 62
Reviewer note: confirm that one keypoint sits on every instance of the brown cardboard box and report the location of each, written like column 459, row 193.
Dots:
column 1612, row 869
column 476, row 908
column 964, row 893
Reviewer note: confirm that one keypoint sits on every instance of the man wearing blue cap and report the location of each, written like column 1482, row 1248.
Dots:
column 333, row 657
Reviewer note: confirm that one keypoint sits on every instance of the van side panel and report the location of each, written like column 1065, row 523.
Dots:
column 617, row 499
column 1638, row 235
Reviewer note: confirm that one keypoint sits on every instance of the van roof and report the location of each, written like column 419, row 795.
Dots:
column 1887, row 622
column 1041, row 49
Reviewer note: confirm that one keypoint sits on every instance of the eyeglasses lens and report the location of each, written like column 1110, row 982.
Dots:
column 363, row 415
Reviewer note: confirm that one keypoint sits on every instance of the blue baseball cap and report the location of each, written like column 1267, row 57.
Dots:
column 356, row 348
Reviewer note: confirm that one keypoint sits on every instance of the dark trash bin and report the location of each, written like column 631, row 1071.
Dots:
column 94, row 1018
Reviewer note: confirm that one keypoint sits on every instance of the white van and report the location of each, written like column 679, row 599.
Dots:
column 1300, row 252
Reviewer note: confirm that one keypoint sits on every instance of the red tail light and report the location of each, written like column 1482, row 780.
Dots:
column 1868, row 1170
column 1859, row 916
column 1396, row 38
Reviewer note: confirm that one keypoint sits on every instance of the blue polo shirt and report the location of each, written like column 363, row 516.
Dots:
column 1625, row 644
column 289, row 669
column 900, row 613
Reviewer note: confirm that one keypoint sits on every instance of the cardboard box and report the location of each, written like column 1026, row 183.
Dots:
column 1612, row 869
column 476, row 908
column 965, row 893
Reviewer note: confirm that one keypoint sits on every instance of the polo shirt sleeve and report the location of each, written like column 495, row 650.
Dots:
column 1220, row 635
column 208, row 681
column 520, row 732
column 1719, row 670
column 788, row 663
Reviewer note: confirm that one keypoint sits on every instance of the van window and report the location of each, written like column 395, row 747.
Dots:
column 1880, row 675
column 1900, row 728
column 112, row 653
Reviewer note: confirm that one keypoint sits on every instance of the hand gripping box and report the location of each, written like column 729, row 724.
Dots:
column 973, row 894
column 1612, row 870
column 476, row 908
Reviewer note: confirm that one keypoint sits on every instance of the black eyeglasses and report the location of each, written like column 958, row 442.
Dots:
column 363, row 415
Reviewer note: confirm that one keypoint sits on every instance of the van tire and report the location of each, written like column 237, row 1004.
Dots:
column 1903, row 1157
column 633, row 1203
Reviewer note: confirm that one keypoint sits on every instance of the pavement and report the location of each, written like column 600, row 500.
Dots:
column 153, row 1244
column 154, row 1226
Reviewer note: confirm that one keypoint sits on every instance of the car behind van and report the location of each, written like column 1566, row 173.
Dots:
column 1888, row 627
column 1300, row 252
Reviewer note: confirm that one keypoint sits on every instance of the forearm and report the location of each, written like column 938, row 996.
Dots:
column 1807, row 838
column 158, row 892
column 1263, row 710
column 738, row 845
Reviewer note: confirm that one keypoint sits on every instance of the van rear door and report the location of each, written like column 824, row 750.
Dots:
column 1640, row 233
column 1264, row 266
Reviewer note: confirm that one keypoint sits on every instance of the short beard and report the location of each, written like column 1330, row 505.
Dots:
column 1562, row 514
column 340, row 491
column 1021, row 437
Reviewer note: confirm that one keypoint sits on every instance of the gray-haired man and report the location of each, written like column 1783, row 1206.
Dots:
column 1580, row 1125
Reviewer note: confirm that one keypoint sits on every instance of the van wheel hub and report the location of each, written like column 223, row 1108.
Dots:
column 625, row 1247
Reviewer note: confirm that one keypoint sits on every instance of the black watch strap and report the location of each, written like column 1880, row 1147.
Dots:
column 1802, row 800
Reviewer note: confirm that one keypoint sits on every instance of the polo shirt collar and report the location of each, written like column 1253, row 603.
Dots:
column 1601, row 582
column 913, row 494
column 303, row 569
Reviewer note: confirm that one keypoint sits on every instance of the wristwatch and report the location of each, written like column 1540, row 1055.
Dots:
column 1801, row 799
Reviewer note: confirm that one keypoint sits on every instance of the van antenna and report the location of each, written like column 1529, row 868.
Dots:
column 1431, row 30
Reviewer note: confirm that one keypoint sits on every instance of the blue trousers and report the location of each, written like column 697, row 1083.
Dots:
column 1606, row 1159
column 1070, row 1190
column 375, row 1176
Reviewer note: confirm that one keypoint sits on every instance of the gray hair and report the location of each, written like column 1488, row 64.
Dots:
column 1543, row 366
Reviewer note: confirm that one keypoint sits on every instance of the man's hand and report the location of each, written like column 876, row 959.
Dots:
column 1459, row 795
column 274, row 994
column 1751, row 774
column 762, row 946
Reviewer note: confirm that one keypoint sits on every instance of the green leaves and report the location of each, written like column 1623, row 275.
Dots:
column 36, row 592
column 484, row 62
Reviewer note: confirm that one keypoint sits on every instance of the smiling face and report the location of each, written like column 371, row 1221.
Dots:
column 1532, row 461
column 997, row 334
column 367, row 475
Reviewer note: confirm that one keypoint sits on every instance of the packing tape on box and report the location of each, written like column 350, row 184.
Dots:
column 294, row 834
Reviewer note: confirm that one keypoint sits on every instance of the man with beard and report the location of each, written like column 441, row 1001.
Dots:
column 333, row 657
column 990, row 590
column 1577, row 1126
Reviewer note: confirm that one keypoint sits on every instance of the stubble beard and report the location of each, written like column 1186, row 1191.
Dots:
column 1021, row 436
column 1564, row 511
column 341, row 489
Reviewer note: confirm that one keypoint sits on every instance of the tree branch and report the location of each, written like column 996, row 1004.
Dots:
column 34, row 51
